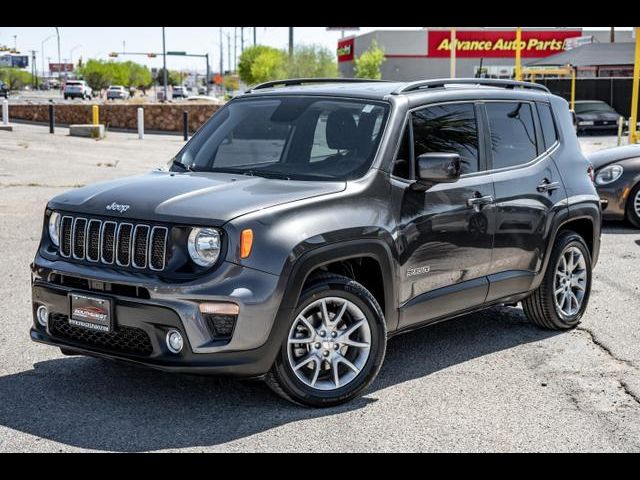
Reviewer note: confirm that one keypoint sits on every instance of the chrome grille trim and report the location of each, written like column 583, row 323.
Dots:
column 147, row 243
column 117, row 243
column 102, row 242
column 90, row 243
column 84, row 237
column 64, row 241
column 134, row 245
column 163, row 231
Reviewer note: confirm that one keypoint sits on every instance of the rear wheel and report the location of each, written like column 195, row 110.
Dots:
column 633, row 207
column 561, row 299
column 335, row 344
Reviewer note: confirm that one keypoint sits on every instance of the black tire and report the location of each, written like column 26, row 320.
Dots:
column 540, row 307
column 632, row 215
column 68, row 352
column 282, row 379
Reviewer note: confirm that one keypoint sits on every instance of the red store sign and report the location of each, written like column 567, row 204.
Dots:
column 487, row 44
column 345, row 50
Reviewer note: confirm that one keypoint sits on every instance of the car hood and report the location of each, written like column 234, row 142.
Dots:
column 610, row 155
column 196, row 198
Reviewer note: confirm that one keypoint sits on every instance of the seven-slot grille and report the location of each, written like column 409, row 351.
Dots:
column 125, row 244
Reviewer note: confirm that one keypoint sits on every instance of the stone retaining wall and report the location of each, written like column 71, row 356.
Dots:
column 165, row 117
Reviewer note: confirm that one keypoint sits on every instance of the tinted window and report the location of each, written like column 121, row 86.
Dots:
column 403, row 159
column 513, row 137
column 448, row 129
column 292, row 137
column 548, row 126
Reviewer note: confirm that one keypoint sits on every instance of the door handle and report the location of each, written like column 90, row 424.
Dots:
column 478, row 202
column 547, row 186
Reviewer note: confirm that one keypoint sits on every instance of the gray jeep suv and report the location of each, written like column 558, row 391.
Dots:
column 309, row 220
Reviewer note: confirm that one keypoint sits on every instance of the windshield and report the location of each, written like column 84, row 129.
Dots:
column 593, row 107
column 313, row 138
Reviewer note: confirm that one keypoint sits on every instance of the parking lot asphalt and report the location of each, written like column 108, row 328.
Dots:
column 488, row 381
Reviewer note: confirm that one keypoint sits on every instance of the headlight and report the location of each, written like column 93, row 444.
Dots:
column 609, row 174
column 204, row 246
column 54, row 228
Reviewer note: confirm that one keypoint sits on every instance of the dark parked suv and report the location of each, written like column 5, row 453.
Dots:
column 309, row 220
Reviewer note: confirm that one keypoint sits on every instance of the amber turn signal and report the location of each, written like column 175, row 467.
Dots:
column 219, row 308
column 246, row 242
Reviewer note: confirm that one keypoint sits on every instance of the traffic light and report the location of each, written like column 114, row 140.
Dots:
column 113, row 54
column 151, row 55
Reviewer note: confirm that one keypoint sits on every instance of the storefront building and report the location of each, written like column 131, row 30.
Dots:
column 426, row 53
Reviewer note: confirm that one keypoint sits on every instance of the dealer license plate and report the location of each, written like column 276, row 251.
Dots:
column 90, row 312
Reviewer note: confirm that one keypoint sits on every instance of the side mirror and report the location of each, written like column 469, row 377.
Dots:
column 438, row 168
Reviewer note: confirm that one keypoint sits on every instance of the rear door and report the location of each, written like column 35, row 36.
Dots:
column 528, row 193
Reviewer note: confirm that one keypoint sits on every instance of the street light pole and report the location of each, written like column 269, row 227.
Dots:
column 206, row 81
column 290, row 41
column 241, row 40
column 44, row 71
column 164, row 65
column 254, row 36
column 221, row 54
column 59, row 64
column 15, row 43
column 235, row 47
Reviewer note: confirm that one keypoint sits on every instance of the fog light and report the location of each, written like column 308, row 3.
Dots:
column 174, row 341
column 42, row 314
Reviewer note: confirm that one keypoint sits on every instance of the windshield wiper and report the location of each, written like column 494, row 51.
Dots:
column 186, row 168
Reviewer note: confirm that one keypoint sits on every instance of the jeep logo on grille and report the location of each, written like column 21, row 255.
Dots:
column 118, row 207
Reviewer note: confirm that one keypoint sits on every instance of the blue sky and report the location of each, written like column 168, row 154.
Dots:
column 97, row 42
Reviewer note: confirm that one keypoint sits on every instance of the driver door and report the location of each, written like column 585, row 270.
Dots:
column 446, row 232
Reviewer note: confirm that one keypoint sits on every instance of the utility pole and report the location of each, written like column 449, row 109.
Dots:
column 290, row 42
column 241, row 40
column 235, row 47
column 228, row 35
column 208, row 78
column 254, row 36
column 59, row 64
column 164, row 65
column 34, row 70
column 612, row 35
column 221, row 54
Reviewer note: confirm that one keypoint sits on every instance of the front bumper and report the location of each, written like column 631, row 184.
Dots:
column 251, row 351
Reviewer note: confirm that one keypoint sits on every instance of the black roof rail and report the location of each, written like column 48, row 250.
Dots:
column 491, row 82
column 301, row 81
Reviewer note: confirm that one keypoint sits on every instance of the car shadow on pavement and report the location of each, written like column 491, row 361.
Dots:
column 96, row 404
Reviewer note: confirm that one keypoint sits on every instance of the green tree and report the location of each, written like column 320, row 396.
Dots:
column 138, row 75
column 230, row 83
column 15, row 78
column 173, row 77
column 312, row 61
column 368, row 64
column 261, row 63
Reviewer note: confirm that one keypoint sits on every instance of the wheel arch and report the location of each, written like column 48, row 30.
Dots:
column 314, row 260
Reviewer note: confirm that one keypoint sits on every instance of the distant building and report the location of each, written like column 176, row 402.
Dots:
column 594, row 60
column 425, row 53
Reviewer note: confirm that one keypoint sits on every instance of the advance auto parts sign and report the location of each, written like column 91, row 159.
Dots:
column 345, row 50
column 481, row 43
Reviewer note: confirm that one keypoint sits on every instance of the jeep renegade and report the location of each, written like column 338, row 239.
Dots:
column 309, row 220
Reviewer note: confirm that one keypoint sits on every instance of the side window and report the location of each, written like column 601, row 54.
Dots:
column 548, row 126
column 513, row 136
column 401, row 165
column 448, row 128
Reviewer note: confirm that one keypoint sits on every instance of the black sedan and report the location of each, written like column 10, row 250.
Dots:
column 617, row 179
column 594, row 115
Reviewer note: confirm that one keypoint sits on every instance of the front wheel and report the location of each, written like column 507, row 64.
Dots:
column 562, row 297
column 335, row 344
column 633, row 207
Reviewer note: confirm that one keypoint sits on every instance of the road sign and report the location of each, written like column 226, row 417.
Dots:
column 61, row 67
column 176, row 53
column 217, row 79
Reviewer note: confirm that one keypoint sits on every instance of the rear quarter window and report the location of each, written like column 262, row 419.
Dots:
column 549, row 131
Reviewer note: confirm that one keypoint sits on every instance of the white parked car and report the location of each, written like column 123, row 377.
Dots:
column 180, row 92
column 77, row 89
column 117, row 92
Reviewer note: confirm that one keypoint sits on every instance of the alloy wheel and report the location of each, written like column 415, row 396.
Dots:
column 329, row 343
column 570, row 282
